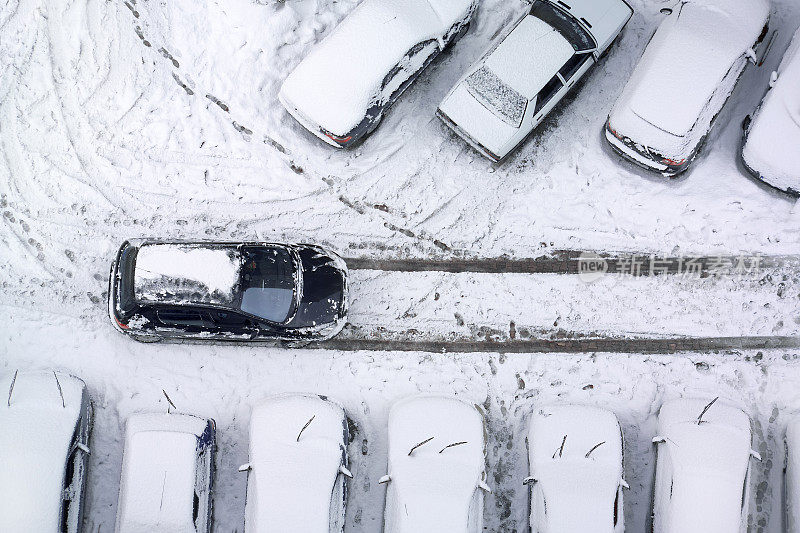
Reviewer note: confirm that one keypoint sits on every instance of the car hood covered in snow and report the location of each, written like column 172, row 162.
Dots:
column 773, row 143
column 434, row 485
column 579, row 491
column 37, row 429
column 296, row 448
column 337, row 82
column 710, row 463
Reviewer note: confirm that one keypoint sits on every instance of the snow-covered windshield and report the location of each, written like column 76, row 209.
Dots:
column 506, row 103
column 565, row 24
column 267, row 283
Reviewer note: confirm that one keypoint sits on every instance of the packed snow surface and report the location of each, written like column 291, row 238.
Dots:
column 35, row 439
column 296, row 447
column 341, row 78
column 792, row 499
column 709, row 463
column 773, row 144
column 579, row 491
column 436, row 460
column 159, row 474
column 161, row 119
column 207, row 274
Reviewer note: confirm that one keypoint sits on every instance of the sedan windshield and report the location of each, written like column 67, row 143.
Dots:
column 268, row 283
column 506, row 103
column 565, row 24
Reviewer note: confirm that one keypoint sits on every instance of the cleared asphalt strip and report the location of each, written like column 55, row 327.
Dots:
column 607, row 345
column 589, row 264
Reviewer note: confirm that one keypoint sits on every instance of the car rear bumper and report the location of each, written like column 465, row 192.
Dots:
column 316, row 129
column 467, row 138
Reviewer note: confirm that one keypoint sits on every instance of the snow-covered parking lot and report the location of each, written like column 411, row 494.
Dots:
column 142, row 118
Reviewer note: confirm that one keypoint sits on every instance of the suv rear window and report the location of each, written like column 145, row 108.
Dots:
column 548, row 92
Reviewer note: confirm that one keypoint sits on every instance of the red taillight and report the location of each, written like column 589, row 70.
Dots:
column 120, row 324
column 336, row 138
column 673, row 162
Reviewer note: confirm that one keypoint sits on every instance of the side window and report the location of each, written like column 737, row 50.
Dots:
column 182, row 317
column 616, row 508
column 404, row 63
column 573, row 65
column 228, row 318
column 547, row 93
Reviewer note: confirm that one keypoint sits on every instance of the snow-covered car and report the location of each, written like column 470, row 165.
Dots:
column 436, row 473
column 575, row 457
column 686, row 74
column 505, row 95
column 342, row 89
column 227, row 291
column 792, row 477
column 771, row 148
column 297, row 474
column 167, row 474
column 703, row 465
column 45, row 422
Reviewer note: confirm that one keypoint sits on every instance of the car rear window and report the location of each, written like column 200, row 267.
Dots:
column 565, row 24
column 268, row 283
column 503, row 101
column 547, row 93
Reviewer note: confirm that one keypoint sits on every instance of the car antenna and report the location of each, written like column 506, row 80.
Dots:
column 705, row 409
column 169, row 400
column 594, row 448
column 60, row 391
column 304, row 427
column 560, row 450
column 452, row 445
column 426, row 441
column 11, row 388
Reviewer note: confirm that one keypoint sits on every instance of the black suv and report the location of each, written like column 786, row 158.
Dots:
column 227, row 291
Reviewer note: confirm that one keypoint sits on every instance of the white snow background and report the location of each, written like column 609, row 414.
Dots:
column 104, row 137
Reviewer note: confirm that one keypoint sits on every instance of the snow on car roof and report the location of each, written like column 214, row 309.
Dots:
column 190, row 272
column 690, row 54
column 37, row 431
column 772, row 143
column 529, row 56
column 291, row 480
column 710, row 462
column 436, row 483
column 158, row 482
column 338, row 80
column 579, row 490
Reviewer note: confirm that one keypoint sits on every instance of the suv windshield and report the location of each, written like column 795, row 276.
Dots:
column 267, row 283
column 565, row 24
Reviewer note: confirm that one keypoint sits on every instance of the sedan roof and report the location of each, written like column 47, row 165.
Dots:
column 529, row 56
column 37, row 429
